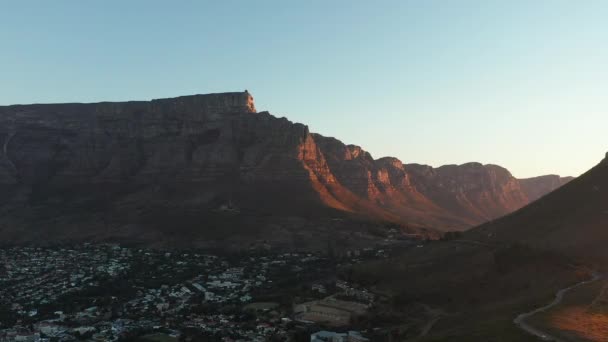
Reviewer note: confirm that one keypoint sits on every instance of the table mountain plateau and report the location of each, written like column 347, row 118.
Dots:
column 210, row 168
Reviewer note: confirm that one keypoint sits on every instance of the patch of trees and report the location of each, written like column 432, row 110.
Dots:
column 448, row 236
column 513, row 256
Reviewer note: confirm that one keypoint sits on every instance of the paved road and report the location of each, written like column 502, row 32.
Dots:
column 559, row 296
column 474, row 242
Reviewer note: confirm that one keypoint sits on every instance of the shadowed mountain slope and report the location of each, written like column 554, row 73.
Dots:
column 572, row 219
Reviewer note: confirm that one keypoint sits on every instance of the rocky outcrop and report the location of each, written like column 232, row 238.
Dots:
column 537, row 187
column 175, row 167
column 476, row 192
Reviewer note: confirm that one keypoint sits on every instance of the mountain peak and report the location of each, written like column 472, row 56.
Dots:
column 229, row 101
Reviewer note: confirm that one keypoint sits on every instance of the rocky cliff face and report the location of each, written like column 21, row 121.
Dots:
column 135, row 168
column 473, row 191
column 175, row 168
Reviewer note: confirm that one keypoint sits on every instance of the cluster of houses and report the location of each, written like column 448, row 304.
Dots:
column 30, row 277
column 330, row 336
column 358, row 293
column 161, row 292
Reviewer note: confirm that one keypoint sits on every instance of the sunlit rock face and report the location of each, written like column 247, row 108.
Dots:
column 480, row 192
column 130, row 169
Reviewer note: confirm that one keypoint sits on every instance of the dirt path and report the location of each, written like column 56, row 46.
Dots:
column 436, row 314
column 559, row 296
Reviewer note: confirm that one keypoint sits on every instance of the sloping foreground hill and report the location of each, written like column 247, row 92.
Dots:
column 572, row 219
column 480, row 281
column 209, row 168
column 473, row 291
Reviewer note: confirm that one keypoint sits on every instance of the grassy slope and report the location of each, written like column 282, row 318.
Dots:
column 571, row 220
column 480, row 288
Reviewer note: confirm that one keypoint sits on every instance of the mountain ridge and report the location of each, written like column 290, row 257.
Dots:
column 123, row 168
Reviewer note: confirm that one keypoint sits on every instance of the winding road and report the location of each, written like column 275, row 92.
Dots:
column 559, row 296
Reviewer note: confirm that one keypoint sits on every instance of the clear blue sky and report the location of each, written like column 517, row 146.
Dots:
column 523, row 84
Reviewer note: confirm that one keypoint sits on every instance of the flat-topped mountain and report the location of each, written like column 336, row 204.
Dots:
column 209, row 168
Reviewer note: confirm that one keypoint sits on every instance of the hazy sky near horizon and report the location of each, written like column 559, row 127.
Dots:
column 522, row 84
